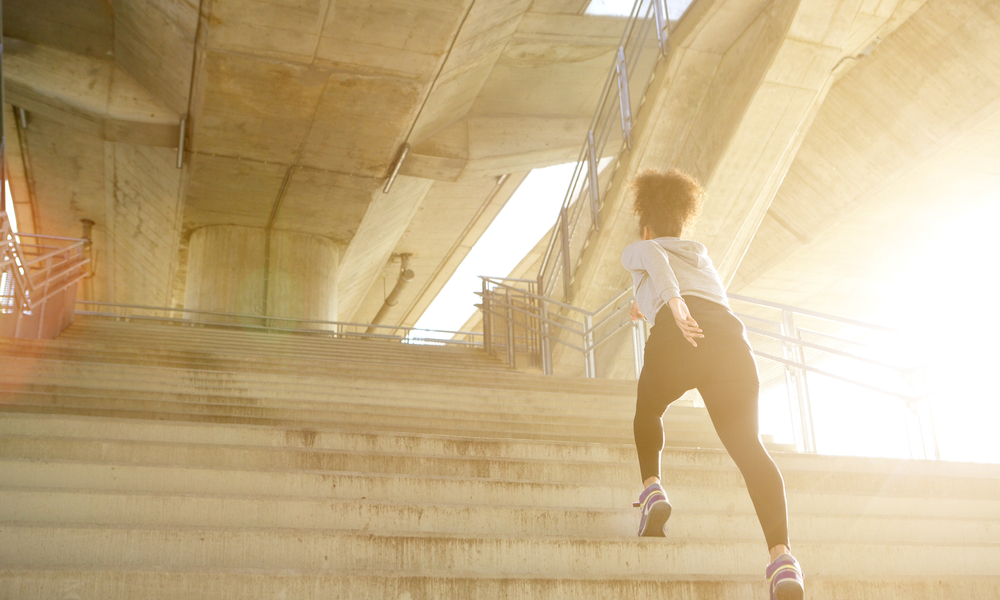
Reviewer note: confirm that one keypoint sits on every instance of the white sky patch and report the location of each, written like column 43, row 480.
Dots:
column 9, row 204
column 623, row 8
column 946, row 303
column 522, row 222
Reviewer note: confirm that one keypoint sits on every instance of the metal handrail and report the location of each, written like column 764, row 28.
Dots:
column 812, row 313
column 822, row 348
column 617, row 84
column 342, row 324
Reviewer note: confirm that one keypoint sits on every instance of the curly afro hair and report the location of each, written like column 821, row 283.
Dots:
column 667, row 202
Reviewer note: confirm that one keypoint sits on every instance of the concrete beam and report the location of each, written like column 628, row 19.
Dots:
column 734, row 116
column 477, row 147
column 87, row 93
column 384, row 223
column 882, row 125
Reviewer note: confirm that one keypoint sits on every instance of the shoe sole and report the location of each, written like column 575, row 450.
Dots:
column 788, row 590
column 656, row 521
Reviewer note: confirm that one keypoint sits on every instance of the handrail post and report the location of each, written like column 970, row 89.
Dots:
column 589, row 357
column 638, row 345
column 567, row 268
column 662, row 26
column 487, row 341
column 511, row 356
column 595, row 192
column 624, row 101
column 546, row 342
column 798, row 387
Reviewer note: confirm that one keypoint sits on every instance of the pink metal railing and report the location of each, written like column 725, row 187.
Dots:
column 38, row 282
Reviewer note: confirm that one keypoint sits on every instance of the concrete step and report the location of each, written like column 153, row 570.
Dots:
column 90, row 547
column 20, row 370
column 389, row 488
column 117, row 509
column 427, row 445
column 44, row 448
column 115, row 584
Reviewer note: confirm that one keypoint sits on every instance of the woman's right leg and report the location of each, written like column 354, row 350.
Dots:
column 661, row 382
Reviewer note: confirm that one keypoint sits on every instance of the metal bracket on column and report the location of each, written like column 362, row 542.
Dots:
column 662, row 25
column 623, row 98
column 180, row 143
column 595, row 192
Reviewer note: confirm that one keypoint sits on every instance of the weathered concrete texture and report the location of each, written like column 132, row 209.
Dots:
column 225, row 270
column 154, row 43
column 732, row 115
column 166, row 461
column 916, row 146
column 85, row 27
column 379, row 232
column 250, row 270
column 142, row 226
column 444, row 229
column 87, row 93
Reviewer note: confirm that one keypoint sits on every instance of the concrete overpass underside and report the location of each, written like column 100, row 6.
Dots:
column 827, row 134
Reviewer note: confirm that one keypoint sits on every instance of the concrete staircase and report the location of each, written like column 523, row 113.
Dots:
column 143, row 460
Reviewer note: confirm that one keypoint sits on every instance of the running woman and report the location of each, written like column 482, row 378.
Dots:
column 697, row 342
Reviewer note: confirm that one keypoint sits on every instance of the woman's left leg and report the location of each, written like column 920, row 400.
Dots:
column 731, row 393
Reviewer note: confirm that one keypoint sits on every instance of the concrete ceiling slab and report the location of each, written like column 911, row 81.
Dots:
column 83, row 26
column 360, row 122
column 256, row 108
column 226, row 190
column 404, row 38
column 325, row 203
column 154, row 43
column 285, row 29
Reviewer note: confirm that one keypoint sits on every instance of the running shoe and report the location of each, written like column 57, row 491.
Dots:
column 655, row 511
column 784, row 577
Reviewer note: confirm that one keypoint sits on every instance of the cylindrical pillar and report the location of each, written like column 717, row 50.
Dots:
column 302, row 277
column 237, row 270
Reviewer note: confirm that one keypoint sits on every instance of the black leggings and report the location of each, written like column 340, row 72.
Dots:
column 723, row 370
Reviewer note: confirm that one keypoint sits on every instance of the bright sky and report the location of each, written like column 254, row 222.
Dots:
column 522, row 222
column 9, row 204
column 945, row 302
column 623, row 8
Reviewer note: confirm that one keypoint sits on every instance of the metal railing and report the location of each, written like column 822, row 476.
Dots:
column 523, row 327
column 794, row 347
column 643, row 43
column 38, row 277
column 331, row 329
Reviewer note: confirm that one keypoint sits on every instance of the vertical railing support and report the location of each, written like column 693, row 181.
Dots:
column 511, row 356
column 588, row 347
column 662, row 26
column 638, row 344
column 567, row 267
column 487, row 312
column 595, row 191
column 798, row 387
column 546, row 341
column 623, row 98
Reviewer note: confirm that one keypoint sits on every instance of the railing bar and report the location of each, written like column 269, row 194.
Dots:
column 533, row 315
column 842, row 353
column 811, row 313
column 321, row 332
column 905, row 397
column 291, row 319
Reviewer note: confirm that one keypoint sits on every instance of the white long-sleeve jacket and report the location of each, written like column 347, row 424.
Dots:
column 667, row 268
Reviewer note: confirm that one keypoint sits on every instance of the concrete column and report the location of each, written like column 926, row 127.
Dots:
column 302, row 278
column 236, row 269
